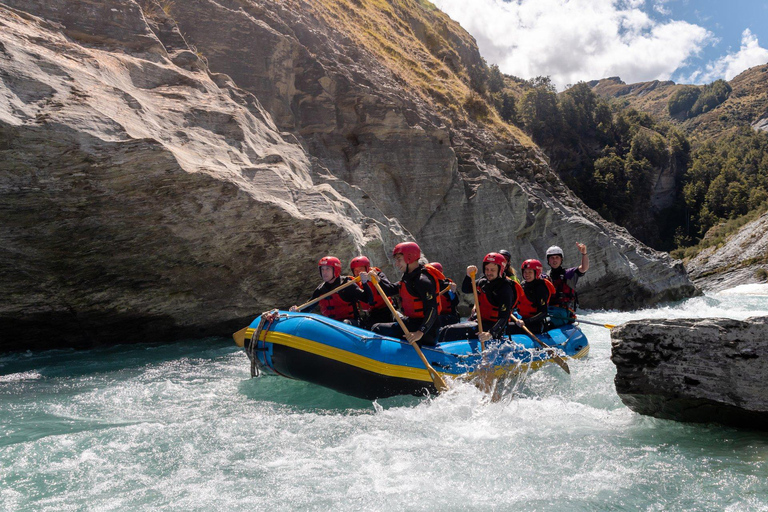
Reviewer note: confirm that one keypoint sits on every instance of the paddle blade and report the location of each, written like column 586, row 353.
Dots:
column 239, row 337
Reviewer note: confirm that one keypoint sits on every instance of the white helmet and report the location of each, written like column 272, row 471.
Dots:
column 554, row 251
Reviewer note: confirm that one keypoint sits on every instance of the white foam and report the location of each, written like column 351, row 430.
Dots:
column 759, row 289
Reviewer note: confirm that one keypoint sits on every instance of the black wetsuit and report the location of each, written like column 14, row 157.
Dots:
column 538, row 294
column 500, row 294
column 421, row 285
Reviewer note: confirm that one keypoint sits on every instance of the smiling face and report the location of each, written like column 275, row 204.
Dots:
column 555, row 260
column 529, row 275
column 491, row 271
column 327, row 273
column 400, row 263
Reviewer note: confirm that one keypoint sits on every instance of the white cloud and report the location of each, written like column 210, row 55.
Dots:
column 573, row 40
column 749, row 55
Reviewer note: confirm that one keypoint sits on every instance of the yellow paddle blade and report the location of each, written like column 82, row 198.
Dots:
column 239, row 337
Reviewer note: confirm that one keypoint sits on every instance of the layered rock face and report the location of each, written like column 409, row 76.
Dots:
column 458, row 188
column 743, row 259
column 145, row 194
column 711, row 370
column 142, row 199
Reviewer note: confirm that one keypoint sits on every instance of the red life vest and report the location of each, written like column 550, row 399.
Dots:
column 378, row 301
column 488, row 312
column 412, row 306
column 564, row 296
column 444, row 301
column 525, row 307
column 337, row 308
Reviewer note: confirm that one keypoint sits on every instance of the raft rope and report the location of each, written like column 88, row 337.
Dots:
column 264, row 324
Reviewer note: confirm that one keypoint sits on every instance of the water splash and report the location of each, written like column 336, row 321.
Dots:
column 183, row 427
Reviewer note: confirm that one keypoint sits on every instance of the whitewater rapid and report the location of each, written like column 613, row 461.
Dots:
column 183, row 427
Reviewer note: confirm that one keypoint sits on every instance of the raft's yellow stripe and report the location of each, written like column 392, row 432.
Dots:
column 365, row 363
column 372, row 365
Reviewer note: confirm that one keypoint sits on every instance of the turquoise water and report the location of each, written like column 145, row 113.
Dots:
column 183, row 427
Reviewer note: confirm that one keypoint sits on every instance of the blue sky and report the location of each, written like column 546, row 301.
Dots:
column 639, row 40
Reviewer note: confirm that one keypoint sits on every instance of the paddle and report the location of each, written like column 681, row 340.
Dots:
column 437, row 380
column 477, row 310
column 239, row 336
column 444, row 290
column 335, row 290
column 607, row 326
column 486, row 374
column 557, row 359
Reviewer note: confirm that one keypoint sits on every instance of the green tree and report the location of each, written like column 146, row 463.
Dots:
column 495, row 79
column 681, row 101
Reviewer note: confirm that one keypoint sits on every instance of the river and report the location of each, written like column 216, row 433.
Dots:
column 183, row 427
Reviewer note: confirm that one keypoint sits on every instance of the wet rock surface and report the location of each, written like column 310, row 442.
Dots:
column 695, row 370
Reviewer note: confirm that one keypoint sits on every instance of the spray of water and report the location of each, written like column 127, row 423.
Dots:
column 183, row 427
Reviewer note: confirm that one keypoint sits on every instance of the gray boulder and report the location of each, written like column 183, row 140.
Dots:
column 697, row 370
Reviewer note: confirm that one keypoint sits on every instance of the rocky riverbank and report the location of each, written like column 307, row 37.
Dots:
column 710, row 370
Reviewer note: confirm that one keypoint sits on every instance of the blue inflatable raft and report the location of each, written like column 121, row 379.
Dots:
column 359, row 363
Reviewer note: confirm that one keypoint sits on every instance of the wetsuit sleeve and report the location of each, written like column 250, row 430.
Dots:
column 425, row 290
column 315, row 294
column 466, row 285
column 506, row 297
column 389, row 287
column 354, row 293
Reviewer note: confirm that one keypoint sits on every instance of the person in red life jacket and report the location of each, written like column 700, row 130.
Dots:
column 418, row 290
column 509, row 272
column 377, row 311
column 532, row 305
column 562, row 306
column 496, row 298
column 340, row 306
column 448, row 300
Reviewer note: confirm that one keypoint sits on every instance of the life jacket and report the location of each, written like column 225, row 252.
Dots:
column 489, row 312
column 564, row 296
column 378, row 300
column 525, row 307
column 413, row 307
column 444, row 301
column 337, row 308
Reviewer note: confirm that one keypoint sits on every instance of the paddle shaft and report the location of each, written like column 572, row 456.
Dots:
column 335, row 290
column 437, row 380
column 556, row 358
column 477, row 310
column 607, row 326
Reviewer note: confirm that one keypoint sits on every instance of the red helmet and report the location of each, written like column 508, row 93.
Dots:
column 360, row 261
column 533, row 264
column 498, row 259
column 330, row 261
column 437, row 265
column 410, row 251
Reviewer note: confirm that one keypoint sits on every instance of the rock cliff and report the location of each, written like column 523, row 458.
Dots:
column 710, row 370
column 171, row 169
column 743, row 259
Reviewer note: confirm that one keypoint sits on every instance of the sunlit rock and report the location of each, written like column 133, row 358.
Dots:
column 698, row 370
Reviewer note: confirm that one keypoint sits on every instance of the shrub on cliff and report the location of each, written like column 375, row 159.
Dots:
column 682, row 100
